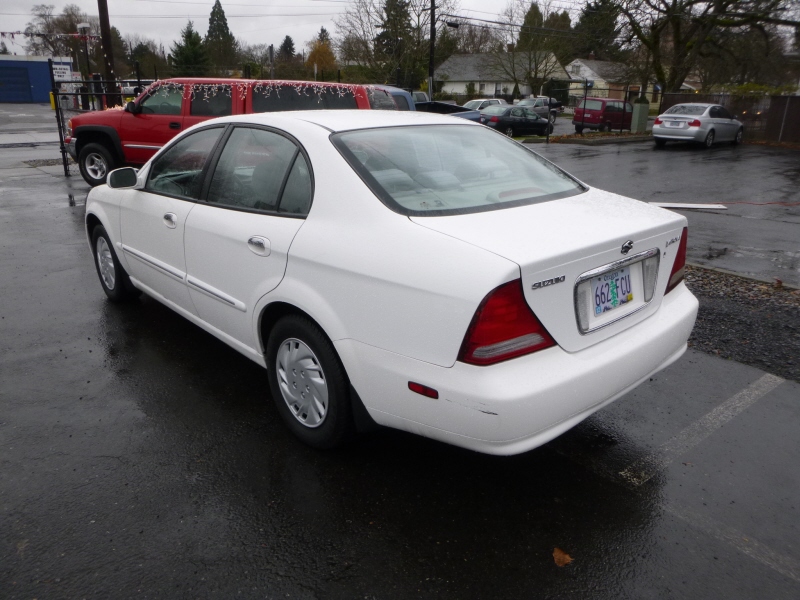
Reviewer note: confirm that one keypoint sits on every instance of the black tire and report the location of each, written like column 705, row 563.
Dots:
column 335, row 426
column 95, row 162
column 738, row 139
column 113, row 278
column 602, row 128
column 509, row 131
column 660, row 143
column 578, row 129
column 553, row 115
column 551, row 127
column 709, row 141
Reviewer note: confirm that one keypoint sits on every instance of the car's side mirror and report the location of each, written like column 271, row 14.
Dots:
column 131, row 108
column 122, row 178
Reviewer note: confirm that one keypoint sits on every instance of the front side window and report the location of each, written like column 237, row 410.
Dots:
column 211, row 101
column 179, row 170
column 164, row 100
column 530, row 114
column 450, row 169
column 724, row 114
column 252, row 170
column 401, row 102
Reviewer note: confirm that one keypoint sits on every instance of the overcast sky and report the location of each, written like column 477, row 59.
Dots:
column 267, row 21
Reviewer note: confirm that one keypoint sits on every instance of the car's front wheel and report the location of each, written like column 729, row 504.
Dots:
column 113, row 278
column 95, row 163
column 308, row 383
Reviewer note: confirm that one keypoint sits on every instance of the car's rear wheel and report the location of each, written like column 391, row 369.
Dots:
column 95, row 163
column 509, row 131
column 113, row 278
column 709, row 141
column 578, row 129
column 738, row 139
column 308, row 383
column 660, row 143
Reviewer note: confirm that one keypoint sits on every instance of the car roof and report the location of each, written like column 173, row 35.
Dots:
column 347, row 120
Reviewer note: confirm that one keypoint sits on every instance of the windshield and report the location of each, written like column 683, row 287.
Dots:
column 592, row 105
column 686, row 109
column 450, row 169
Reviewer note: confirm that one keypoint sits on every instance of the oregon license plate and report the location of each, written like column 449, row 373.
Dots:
column 611, row 290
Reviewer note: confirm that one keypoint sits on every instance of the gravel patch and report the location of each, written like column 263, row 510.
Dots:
column 748, row 321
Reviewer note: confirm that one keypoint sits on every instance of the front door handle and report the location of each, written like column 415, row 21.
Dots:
column 259, row 245
column 174, row 125
column 171, row 220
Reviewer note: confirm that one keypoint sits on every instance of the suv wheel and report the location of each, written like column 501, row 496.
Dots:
column 95, row 163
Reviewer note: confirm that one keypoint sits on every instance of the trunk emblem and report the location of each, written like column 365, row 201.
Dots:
column 626, row 247
column 546, row 282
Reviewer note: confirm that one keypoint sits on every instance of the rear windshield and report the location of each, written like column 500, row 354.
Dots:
column 592, row 105
column 272, row 98
column 686, row 109
column 495, row 109
column 380, row 99
column 450, row 169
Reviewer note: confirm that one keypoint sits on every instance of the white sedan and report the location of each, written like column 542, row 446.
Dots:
column 414, row 270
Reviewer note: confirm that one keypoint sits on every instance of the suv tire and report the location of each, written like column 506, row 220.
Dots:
column 95, row 163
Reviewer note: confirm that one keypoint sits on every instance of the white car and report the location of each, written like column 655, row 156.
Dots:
column 426, row 273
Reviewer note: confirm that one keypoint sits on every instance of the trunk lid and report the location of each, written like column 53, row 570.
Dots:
column 556, row 243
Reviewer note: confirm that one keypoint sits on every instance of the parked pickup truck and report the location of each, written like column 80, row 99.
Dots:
column 405, row 101
column 101, row 141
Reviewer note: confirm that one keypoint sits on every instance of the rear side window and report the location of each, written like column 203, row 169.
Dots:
column 592, row 105
column 179, row 171
column 450, row 169
column 401, row 102
column 252, row 169
column 211, row 101
column 163, row 100
column 274, row 98
column 296, row 198
column 380, row 100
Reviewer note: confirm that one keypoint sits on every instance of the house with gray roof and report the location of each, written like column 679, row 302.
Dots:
column 492, row 73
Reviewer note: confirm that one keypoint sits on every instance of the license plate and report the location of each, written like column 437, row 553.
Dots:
column 673, row 123
column 611, row 290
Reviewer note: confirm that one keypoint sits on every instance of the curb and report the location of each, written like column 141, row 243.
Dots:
column 593, row 142
column 734, row 274
column 29, row 144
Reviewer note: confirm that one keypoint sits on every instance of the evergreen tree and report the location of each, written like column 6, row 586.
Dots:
column 189, row 57
column 219, row 41
column 531, row 28
column 3, row 49
column 597, row 30
column 286, row 49
column 323, row 36
column 395, row 30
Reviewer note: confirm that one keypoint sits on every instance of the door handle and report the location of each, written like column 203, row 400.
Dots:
column 259, row 245
column 171, row 220
column 174, row 125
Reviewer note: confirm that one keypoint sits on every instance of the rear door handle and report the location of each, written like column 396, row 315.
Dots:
column 174, row 125
column 259, row 245
column 171, row 220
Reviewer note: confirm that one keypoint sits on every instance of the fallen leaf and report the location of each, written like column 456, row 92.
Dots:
column 562, row 558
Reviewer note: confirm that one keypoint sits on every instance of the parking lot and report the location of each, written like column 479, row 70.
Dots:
column 140, row 457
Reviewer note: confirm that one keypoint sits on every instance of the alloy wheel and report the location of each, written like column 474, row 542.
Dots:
column 95, row 165
column 105, row 263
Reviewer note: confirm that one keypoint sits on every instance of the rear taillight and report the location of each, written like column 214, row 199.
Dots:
column 658, row 121
column 679, row 266
column 503, row 327
column 494, row 119
column 694, row 123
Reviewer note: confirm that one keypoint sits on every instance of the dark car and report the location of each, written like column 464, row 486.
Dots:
column 515, row 120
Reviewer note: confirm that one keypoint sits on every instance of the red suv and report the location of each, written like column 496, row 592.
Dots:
column 102, row 141
column 603, row 114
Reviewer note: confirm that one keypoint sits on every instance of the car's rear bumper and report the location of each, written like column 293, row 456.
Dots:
column 585, row 125
column 690, row 134
column 522, row 403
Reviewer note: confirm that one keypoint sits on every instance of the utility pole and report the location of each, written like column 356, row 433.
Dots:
column 433, row 48
column 108, row 54
column 271, row 62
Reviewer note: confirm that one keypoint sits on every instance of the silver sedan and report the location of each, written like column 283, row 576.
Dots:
column 697, row 122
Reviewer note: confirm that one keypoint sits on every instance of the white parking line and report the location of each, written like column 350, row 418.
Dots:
column 744, row 543
column 646, row 467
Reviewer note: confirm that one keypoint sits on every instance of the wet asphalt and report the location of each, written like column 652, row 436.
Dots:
column 142, row 458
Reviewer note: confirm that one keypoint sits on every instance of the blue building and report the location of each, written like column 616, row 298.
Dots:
column 26, row 78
